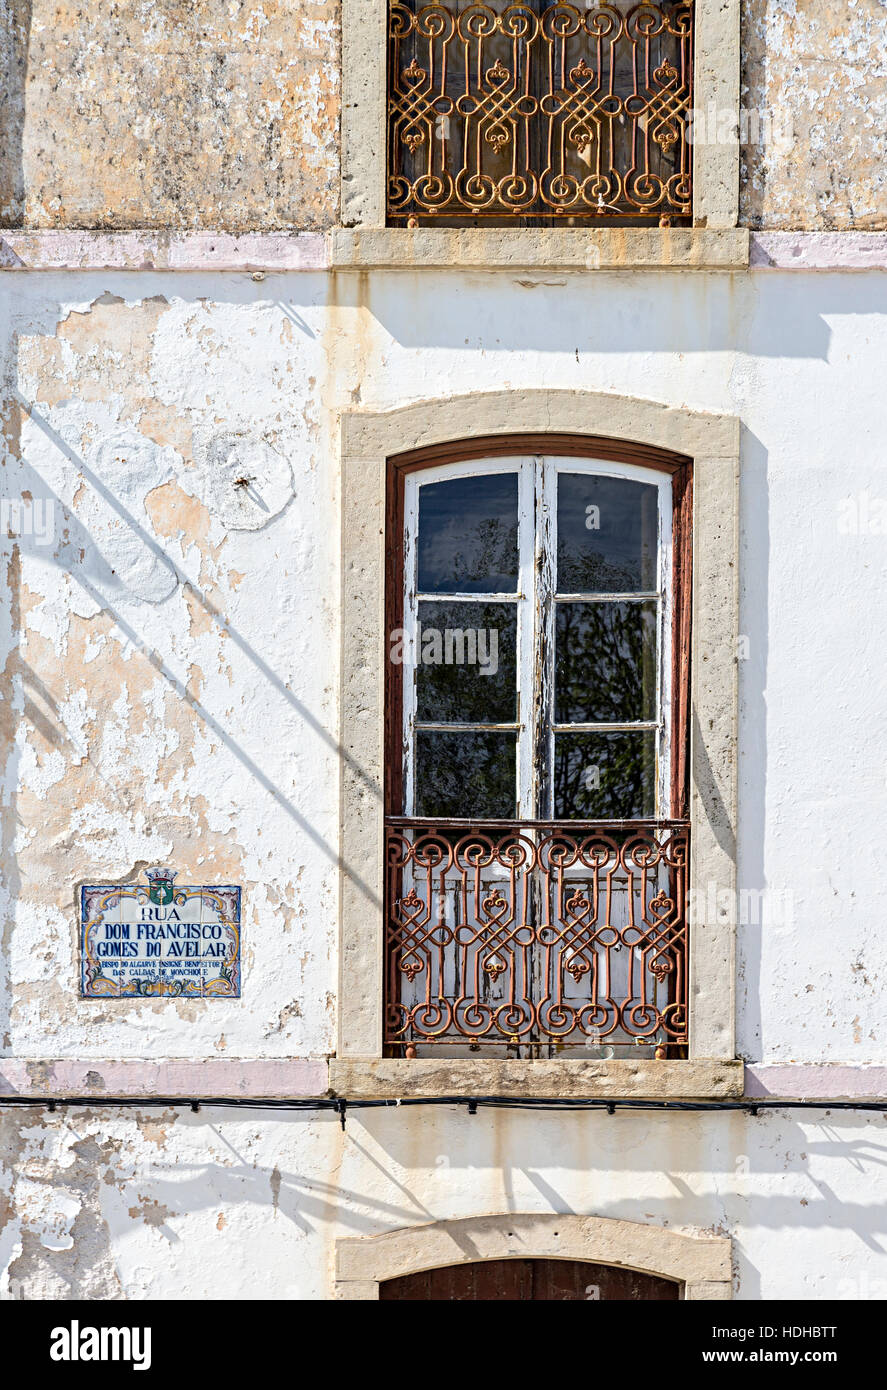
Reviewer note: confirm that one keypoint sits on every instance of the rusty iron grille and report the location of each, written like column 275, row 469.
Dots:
column 540, row 111
column 536, row 936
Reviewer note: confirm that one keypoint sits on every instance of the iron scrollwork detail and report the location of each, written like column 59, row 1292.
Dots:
column 536, row 935
column 540, row 110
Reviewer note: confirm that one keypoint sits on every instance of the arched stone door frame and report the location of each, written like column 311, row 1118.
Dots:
column 703, row 1264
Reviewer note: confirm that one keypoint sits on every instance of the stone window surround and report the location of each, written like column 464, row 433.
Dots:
column 368, row 440
column 364, row 242
column 703, row 1264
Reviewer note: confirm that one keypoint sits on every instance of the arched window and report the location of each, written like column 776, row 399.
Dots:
column 537, row 770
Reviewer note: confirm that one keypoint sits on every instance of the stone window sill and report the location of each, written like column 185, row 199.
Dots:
column 569, row 248
column 393, row 1078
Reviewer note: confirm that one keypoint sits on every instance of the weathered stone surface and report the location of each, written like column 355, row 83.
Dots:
column 818, row 73
column 617, row 248
column 158, row 114
column 563, row 1079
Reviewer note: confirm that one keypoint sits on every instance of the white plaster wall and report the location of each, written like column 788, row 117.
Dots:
column 112, row 766
column 152, row 1204
column 798, row 356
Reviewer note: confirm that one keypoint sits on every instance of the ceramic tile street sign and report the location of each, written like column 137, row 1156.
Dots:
column 139, row 940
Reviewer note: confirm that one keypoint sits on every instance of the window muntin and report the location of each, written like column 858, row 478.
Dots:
column 573, row 721
column 540, row 111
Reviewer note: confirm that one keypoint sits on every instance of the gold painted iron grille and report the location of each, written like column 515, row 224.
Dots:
column 537, row 937
column 573, row 113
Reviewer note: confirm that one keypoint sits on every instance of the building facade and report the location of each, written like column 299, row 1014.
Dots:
column 445, row 535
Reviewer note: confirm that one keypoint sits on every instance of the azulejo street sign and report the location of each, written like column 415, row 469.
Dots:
column 139, row 940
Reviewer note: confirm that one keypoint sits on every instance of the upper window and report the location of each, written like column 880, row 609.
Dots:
column 540, row 113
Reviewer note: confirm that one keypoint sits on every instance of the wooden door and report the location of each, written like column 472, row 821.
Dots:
column 557, row 1280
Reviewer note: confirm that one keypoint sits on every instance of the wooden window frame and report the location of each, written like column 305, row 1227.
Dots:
column 530, row 1280
column 589, row 449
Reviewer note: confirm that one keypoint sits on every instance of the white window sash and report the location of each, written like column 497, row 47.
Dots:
column 536, row 600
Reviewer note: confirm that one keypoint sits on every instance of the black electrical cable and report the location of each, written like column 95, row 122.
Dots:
column 340, row 1105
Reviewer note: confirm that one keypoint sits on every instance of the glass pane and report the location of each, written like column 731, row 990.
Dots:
column 607, row 535
column 605, row 776
column 605, row 665
column 466, row 775
column 466, row 663
column 468, row 541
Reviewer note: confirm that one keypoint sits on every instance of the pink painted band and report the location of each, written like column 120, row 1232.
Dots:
column 269, row 252
column 292, row 1078
column 828, row 1081
column 272, row 1079
column 255, row 251
column 818, row 251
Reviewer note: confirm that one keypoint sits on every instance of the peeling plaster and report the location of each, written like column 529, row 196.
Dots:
column 143, row 680
column 58, row 1241
column 107, row 1204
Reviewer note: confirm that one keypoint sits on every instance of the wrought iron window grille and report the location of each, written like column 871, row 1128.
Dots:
column 536, row 938
column 540, row 113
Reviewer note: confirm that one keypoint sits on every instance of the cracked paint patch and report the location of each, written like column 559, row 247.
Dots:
column 153, row 1213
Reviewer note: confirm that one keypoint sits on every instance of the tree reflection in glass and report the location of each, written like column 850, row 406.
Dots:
column 468, row 541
